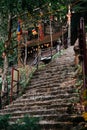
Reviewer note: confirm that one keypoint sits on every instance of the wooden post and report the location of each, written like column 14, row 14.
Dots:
column 19, row 55
column 25, row 59
column 82, row 45
column 14, row 83
column 38, row 47
column 51, row 38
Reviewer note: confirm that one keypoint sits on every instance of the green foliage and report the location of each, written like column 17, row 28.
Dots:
column 78, row 74
column 26, row 74
column 0, row 83
column 30, row 123
column 79, row 83
column 17, row 8
column 27, row 123
column 79, row 6
column 13, row 127
column 4, row 122
column 85, row 128
column 58, row 54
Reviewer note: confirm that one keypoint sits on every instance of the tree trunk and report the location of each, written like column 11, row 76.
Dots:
column 4, row 76
column 5, row 69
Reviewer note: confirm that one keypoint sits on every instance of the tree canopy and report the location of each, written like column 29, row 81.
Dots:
column 29, row 11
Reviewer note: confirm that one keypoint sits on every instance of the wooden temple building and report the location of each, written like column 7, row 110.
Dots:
column 44, row 36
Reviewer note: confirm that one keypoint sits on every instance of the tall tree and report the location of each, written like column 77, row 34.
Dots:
column 7, row 8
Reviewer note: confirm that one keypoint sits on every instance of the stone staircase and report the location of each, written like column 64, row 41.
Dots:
column 50, row 93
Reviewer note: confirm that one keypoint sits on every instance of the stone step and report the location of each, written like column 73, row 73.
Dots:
column 64, row 117
column 37, row 105
column 25, row 111
column 55, row 84
column 47, row 117
column 40, row 112
column 53, row 74
column 50, row 88
column 52, row 83
column 48, row 98
column 43, row 96
column 50, row 125
column 59, row 120
column 56, row 69
column 55, row 66
column 53, row 125
column 33, row 108
column 60, row 107
column 49, row 94
column 49, row 79
column 58, row 77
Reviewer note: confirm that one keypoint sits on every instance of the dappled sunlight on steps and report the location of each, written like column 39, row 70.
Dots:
column 50, row 93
